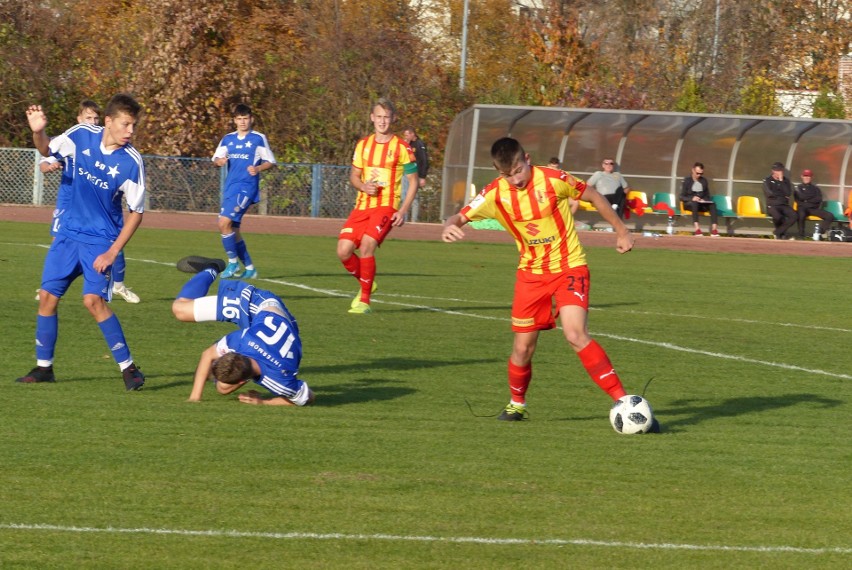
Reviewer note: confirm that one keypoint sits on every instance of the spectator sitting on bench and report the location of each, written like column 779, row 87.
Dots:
column 808, row 198
column 695, row 195
column 778, row 190
column 611, row 184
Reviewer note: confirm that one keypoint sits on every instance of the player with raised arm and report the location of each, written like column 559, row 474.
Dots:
column 89, row 113
column 246, row 153
column 93, row 230
column 267, row 348
column 552, row 279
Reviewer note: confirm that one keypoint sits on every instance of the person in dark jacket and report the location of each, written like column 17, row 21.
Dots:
column 778, row 190
column 695, row 195
column 808, row 198
column 421, row 155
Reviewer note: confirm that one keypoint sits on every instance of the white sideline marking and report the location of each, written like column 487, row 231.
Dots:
column 671, row 346
column 410, row 538
column 665, row 345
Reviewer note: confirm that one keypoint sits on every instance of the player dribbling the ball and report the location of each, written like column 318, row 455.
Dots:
column 532, row 203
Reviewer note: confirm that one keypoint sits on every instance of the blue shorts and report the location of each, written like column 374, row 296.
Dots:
column 238, row 302
column 237, row 201
column 66, row 260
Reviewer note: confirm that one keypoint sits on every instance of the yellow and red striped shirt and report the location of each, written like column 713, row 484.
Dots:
column 384, row 164
column 538, row 217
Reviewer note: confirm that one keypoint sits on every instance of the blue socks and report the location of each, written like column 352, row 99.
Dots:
column 114, row 337
column 47, row 330
column 198, row 286
column 243, row 254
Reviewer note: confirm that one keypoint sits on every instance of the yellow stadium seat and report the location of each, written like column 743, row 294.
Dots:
column 749, row 207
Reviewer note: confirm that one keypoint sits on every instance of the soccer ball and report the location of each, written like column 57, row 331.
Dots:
column 631, row 414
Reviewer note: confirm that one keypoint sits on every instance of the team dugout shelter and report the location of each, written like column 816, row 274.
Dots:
column 653, row 150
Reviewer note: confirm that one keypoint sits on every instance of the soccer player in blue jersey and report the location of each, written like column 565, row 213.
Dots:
column 89, row 113
column 266, row 349
column 93, row 229
column 246, row 153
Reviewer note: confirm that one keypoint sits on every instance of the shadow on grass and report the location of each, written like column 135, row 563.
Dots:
column 694, row 414
column 392, row 364
column 359, row 391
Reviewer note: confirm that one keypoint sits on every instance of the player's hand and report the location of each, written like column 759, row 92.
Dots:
column 36, row 118
column 624, row 242
column 397, row 219
column 252, row 170
column 371, row 188
column 452, row 233
column 251, row 397
column 104, row 261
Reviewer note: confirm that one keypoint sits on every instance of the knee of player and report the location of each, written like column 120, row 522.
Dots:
column 182, row 310
column 577, row 338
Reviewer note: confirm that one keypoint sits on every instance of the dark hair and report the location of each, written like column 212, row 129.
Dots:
column 232, row 368
column 122, row 103
column 506, row 152
column 698, row 165
column 89, row 104
column 241, row 109
column 554, row 160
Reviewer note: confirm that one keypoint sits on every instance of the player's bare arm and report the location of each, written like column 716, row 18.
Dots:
column 255, row 398
column 38, row 123
column 202, row 373
column 46, row 167
column 453, row 228
column 106, row 259
column 398, row 217
column 624, row 239
column 255, row 170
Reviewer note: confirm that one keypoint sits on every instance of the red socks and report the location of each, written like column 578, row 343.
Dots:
column 368, row 274
column 519, row 381
column 599, row 367
column 353, row 266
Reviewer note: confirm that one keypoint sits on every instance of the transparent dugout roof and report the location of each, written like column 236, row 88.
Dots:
column 653, row 150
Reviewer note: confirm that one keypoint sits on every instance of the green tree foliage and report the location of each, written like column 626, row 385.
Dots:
column 758, row 97
column 829, row 106
column 310, row 68
column 690, row 100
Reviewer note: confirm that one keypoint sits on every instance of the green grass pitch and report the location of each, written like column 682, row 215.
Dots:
column 393, row 467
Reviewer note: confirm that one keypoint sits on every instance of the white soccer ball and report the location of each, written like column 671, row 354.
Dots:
column 631, row 414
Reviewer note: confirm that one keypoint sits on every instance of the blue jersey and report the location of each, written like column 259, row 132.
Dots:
column 273, row 342
column 100, row 178
column 239, row 302
column 63, row 193
column 251, row 149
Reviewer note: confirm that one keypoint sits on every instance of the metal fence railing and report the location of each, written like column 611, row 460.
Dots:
column 193, row 185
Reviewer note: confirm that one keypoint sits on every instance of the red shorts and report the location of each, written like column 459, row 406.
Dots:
column 538, row 298
column 374, row 222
